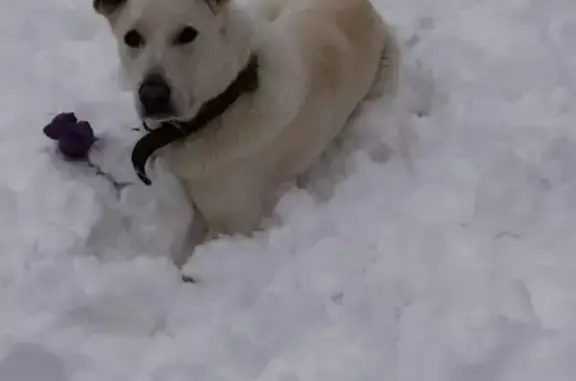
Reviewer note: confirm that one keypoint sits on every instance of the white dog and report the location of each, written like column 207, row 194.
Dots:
column 242, row 98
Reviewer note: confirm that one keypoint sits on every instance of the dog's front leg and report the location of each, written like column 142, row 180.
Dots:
column 196, row 236
column 230, row 203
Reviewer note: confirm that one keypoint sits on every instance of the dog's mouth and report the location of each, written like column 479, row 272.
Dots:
column 159, row 117
column 157, row 114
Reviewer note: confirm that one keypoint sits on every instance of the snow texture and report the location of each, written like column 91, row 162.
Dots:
column 455, row 263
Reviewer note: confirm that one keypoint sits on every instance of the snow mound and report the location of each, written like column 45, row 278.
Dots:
column 456, row 264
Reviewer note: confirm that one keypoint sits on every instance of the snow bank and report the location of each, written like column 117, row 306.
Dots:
column 461, row 269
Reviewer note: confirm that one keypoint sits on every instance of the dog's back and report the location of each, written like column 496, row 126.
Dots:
column 340, row 43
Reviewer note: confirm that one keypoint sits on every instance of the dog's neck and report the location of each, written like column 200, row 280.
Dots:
column 237, row 44
column 166, row 133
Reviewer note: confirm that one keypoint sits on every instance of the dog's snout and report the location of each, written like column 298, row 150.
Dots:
column 155, row 96
column 154, row 89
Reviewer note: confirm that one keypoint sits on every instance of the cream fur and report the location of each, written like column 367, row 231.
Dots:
column 319, row 60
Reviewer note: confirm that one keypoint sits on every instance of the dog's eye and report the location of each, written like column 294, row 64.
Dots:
column 133, row 39
column 185, row 36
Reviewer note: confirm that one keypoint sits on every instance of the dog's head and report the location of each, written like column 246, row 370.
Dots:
column 172, row 51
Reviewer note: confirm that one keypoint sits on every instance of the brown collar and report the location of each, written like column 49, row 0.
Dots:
column 172, row 131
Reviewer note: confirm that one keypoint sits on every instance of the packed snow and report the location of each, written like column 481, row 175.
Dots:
column 436, row 243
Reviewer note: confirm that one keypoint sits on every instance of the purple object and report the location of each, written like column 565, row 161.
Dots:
column 75, row 138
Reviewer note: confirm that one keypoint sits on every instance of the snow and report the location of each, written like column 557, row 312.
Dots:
column 457, row 265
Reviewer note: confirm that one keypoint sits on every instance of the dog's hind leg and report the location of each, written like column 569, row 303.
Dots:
column 386, row 87
column 386, row 79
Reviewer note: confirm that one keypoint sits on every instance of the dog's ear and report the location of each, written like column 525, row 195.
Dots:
column 217, row 5
column 107, row 7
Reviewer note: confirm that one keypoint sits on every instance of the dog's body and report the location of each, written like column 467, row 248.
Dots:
column 318, row 59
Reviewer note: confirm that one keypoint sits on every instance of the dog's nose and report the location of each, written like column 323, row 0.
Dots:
column 155, row 95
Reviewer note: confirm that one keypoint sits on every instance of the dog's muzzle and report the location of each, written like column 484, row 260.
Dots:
column 155, row 97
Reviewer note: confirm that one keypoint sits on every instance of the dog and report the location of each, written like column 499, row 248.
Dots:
column 241, row 98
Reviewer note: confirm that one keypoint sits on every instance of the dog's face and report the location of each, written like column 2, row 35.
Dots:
column 170, row 50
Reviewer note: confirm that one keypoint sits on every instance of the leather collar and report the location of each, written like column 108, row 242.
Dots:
column 171, row 131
